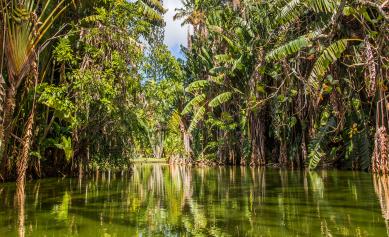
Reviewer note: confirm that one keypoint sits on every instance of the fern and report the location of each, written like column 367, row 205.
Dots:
column 220, row 99
column 318, row 143
column 193, row 103
column 197, row 85
column 197, row 118
column 329, row 56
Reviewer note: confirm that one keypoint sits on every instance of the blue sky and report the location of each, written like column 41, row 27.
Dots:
column 175, row 34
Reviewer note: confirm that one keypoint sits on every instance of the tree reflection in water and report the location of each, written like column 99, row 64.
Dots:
column 20, row 203
column 162, row 200
column 381, row 187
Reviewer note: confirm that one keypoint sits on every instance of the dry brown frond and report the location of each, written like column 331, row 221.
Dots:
column 380, row 154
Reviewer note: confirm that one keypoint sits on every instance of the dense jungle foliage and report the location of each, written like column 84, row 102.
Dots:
column 88, row 85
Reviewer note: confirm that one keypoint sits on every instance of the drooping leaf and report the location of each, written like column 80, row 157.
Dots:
column 193, row 103
column 197, row 118
column 220, row 99
column 317, row 146
column 197, row 85
column 329, row 56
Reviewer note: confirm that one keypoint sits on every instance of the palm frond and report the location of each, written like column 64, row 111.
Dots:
column 24, row 31
column 156, row 4
column 150, row 13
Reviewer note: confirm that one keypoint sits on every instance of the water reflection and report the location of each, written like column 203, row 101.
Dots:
column 381, row 187
column 20, row 202
column 161, row 200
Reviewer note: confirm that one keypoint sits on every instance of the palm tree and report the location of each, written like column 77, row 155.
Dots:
column 193, row 13
column 25, row 24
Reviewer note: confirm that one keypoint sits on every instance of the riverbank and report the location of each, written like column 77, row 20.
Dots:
column 150, row 160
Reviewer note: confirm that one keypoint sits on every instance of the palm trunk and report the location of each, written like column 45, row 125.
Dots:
column 9, row 109
column 22, row 162
column 2, row 97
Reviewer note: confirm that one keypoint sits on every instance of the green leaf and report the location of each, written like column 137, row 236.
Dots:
column 290, row 47
column 197, row 118
column 66, row 146
column 329, row 56
column 317, row 145
column 220, row 99
column 197, row 85
column 196, row 101
column 326, row 6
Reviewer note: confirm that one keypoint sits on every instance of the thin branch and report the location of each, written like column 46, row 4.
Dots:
column 379, row 8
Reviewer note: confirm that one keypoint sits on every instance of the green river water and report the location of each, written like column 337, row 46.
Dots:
column 162, row 200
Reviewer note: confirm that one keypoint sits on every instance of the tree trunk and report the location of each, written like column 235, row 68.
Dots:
column 9, row 109
column 235, row 4
column 2, row 97
column 283, row 157
column 257, row 139
column 188, row 153
column 256, row 119
column 22, row 161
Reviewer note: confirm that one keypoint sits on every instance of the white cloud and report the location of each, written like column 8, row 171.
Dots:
column 175, row 34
